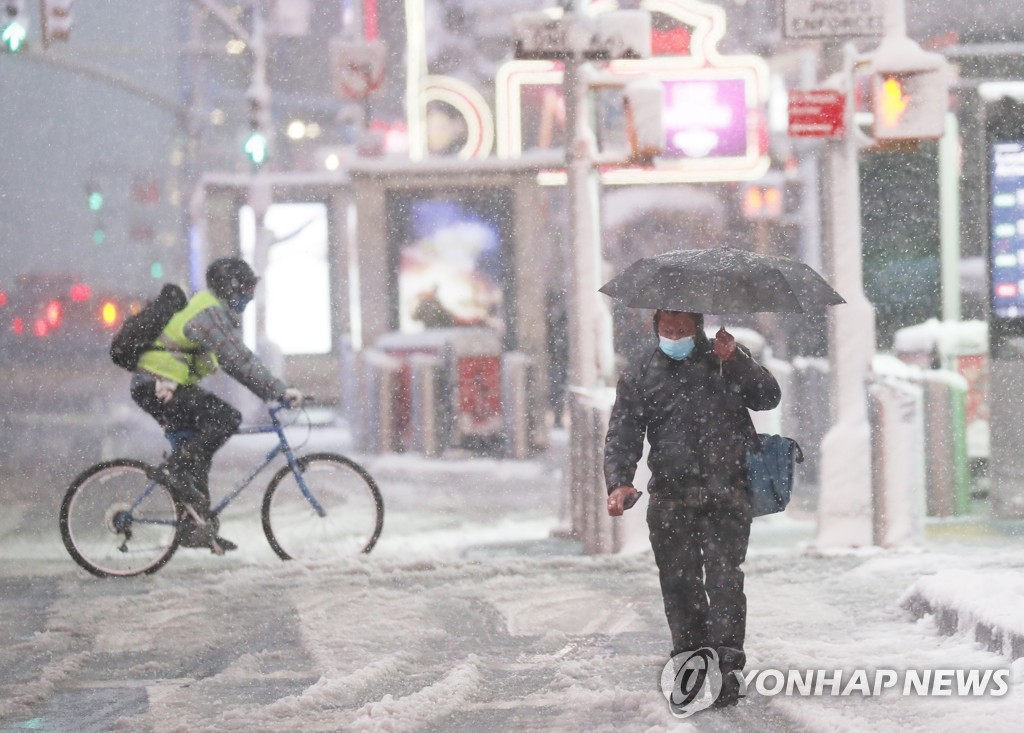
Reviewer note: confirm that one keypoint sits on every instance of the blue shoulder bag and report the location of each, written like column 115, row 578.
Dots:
column 771, row 471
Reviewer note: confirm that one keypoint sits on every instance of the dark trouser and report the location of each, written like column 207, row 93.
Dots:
column 699, row 552
column 209, row 419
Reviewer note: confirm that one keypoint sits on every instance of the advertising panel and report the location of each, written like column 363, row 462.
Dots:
column 450, row 251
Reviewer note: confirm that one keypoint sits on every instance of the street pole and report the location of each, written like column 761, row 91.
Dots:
column 584, row 238
column 261, row 195
column 845, row 501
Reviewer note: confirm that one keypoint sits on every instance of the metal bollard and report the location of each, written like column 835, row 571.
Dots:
column 378, row 384
column 947, row 473
column 515, row 404
column 807, row 418
column 426, row 426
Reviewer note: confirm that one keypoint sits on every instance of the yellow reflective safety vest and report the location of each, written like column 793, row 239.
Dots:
column 177, row 357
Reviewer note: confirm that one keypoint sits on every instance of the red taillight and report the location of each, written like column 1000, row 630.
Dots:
column 54, row 311
column 80, row 292
column 18, row 326
column 40, row 328
column 3, row 298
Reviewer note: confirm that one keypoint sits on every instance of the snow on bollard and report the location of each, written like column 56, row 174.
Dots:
column 898, row 475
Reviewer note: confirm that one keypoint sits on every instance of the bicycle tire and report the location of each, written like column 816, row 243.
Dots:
column 102, row 527
column 295, row 530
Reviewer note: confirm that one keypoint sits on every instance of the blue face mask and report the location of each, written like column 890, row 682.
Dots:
column 677, row 349
column 238, row 302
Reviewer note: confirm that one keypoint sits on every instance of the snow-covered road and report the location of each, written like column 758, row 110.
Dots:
column 467, row 617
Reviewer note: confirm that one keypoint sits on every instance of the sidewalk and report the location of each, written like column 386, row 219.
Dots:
column 468, row 616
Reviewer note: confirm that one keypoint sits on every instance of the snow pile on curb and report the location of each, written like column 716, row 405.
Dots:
column 987, row 603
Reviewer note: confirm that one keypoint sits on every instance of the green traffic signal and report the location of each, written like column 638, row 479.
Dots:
column 256, row 148
column 95, row 201
column 13, row 36
column 99, row 236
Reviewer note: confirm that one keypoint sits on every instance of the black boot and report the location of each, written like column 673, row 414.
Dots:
column 731, row 662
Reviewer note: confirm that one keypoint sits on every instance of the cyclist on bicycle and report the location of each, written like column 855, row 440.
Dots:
column 203, row 336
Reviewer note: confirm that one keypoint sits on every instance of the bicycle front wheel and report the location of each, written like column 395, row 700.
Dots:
column 337, row 510
column 116, row 521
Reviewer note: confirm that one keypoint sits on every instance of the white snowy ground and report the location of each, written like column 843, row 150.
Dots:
column 467, row 617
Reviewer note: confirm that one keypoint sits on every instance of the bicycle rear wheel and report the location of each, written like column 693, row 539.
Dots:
column 116, row 521
column 352, row 509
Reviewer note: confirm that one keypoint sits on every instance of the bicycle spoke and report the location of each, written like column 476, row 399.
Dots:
column 116, row 521
column 352, row 510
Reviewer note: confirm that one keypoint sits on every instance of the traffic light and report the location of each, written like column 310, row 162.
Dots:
column 56, row 20
column 15, row 25
column 763, row 201
column 644, row 100
column 909, row 92
column 255, row 147
column 94, row 198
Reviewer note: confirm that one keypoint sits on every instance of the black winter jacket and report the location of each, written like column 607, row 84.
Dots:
column 695, row 418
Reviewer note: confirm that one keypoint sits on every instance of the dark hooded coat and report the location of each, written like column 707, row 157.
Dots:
column 694, row 414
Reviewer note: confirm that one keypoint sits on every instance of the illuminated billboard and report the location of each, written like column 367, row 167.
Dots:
column 714, row 112
column 450, row 252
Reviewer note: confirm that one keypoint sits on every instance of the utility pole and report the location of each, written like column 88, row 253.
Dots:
column 844, row 506
column 574, row 37
column 261, row 194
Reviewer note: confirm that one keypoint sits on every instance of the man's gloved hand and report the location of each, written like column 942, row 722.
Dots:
column 165, row 389
column 293, row 397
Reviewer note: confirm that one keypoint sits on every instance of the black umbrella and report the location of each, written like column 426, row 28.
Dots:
column 722, row 280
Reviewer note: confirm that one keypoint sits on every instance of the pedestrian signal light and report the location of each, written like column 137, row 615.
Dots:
column 909, row 91
column 892, row 102
column 762, row 202
column 644, row 101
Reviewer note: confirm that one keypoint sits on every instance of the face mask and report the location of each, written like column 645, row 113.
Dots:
column 238, row 302
column 677, row 349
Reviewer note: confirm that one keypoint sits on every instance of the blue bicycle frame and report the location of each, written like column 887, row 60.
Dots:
column 283, row 446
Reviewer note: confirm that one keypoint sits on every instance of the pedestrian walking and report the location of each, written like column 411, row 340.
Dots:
column 689, row 397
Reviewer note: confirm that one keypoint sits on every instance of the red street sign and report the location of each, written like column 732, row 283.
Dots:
column 816, row 113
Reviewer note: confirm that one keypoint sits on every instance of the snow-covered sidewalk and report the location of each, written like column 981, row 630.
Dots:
column 469, row 617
